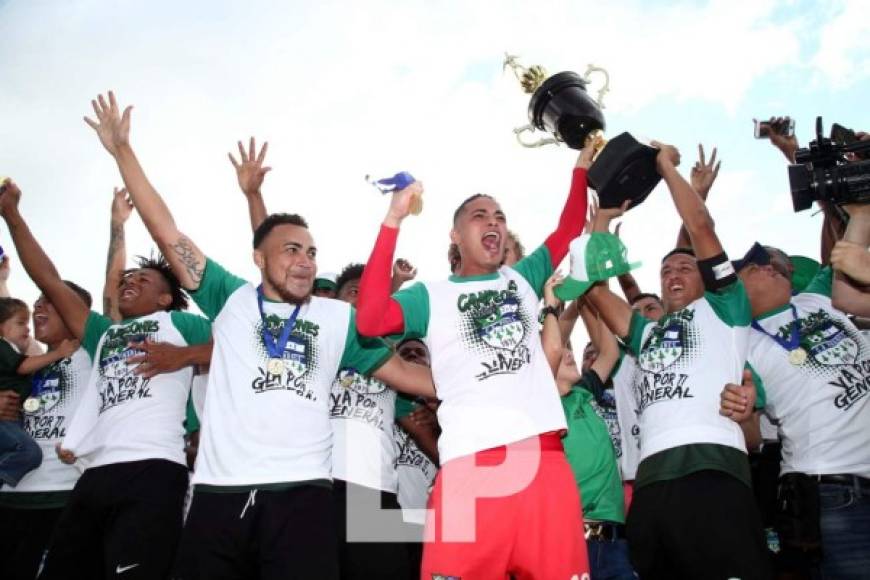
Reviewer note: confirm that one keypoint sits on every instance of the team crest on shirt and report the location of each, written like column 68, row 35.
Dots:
column 830, row 345
column 494, row 326
column 298, row 361
column 663, row 347
column 118, row 384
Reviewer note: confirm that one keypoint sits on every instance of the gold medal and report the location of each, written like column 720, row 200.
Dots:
column 32, row 404
column 275, row 366
column 797, row 357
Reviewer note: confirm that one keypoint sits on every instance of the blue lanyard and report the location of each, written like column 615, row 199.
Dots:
column 276, row 349
column 793, row 342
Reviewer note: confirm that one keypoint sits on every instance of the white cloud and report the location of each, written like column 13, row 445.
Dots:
column 843, row 56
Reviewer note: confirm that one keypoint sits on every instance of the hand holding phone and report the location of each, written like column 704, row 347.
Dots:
column 782, row 126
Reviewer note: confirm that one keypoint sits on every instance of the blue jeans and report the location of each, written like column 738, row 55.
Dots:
column 608, row 560
column 19, row 453
column 845, row 523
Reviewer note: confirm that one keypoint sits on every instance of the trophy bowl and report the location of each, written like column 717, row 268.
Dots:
column 562, row 107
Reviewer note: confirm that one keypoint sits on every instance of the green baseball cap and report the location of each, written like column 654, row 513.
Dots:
column 326, row 281
column 805, row 269
column 594, row 257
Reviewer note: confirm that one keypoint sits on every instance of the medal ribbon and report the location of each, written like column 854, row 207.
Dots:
column 276, row 349
column 793, row 342
column 399, row 181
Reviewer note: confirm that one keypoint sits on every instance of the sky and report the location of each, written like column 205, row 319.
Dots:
column 342, row 89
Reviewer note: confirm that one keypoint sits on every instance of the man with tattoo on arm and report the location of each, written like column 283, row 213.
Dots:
column 262, row 504
column 124, row 514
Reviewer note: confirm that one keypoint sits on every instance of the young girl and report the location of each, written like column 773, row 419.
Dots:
column 19, row 453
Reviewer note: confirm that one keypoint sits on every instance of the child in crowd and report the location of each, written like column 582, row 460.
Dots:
column 19, row 453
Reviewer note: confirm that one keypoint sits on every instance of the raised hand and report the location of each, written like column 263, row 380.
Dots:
column 703, row 174
column 400, row 204
column 250, row 171
column 112, row 126
column 403, row 271
column 5, row 267
column 550, row 298
column 667, row 158
column 122, row 206
column 10, row 197
column 604, row 215
column 787, row 144
column 584, row 161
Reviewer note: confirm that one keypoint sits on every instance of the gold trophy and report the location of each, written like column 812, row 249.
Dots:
column 560, row 105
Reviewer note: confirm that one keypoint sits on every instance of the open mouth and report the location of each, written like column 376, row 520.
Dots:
column 491, row 242
column 129, row 293
column 39, row 320
column 674, row 288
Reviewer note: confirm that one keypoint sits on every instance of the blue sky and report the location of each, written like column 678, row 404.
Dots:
column 343, row 89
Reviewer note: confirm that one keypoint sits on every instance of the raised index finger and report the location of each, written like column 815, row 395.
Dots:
column 701, row 154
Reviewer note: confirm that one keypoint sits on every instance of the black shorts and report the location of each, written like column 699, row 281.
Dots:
column 262, row 534
column 702, row 526
column 122, row 521
column 364, row 560
column 24, row 535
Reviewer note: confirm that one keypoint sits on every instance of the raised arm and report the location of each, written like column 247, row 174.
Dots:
column 406, row 377
column 690, row 206
column 113, row 129
column 702, row 177
column 250, row 174
column 614, row 311
column 846, row 296
column 377, row 314
column 552, row 339
column 39, row 267
column 573, row 216
column 116, row 260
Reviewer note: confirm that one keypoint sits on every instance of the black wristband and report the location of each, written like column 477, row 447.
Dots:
column 717, row 272
column 549, row 310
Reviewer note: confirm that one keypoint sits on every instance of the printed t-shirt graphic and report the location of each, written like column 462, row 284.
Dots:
column 362, row 410
column 624, row 378
column 494, row 382
column 58, row 387
column 414, row 469
column 820, row 406
column 260, row 427
column 685, row 360
column 126, row 417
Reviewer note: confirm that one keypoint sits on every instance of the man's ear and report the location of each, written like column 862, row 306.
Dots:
column 164, row 300
column 454, row 236
column 259, row 259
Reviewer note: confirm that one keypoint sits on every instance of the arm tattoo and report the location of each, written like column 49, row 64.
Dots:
column 183, row 248
column 116, row 240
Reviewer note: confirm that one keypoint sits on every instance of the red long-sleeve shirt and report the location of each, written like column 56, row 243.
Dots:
column 378, row 314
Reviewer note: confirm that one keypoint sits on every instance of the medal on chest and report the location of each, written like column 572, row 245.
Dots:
column 275, row 347
column 797, row 355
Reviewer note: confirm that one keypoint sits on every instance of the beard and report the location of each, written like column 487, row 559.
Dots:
column 286, row 295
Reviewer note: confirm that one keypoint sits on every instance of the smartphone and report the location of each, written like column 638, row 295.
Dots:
column 763, row 129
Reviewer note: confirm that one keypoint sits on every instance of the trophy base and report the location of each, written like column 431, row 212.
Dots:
column 624, row 170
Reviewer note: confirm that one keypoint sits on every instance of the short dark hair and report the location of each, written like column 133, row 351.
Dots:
column 277, row 219
column 161, row 266
column 9, row 307
column 83, row 294
column 643, row 295
column 675, row 251
column 466, row 202
column 350, row 272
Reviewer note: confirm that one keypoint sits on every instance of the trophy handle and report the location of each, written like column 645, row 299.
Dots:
column 532, row 144
column 605, row 88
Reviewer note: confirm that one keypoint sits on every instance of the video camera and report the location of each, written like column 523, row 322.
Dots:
column 824, row 172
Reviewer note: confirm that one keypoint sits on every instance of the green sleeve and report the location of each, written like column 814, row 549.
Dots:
column 536, row 268
column 191, row 421
column 821, row 282
column 215, row 289
column 761, row 396
column 95, row 327
column 195, row 329
column 414, row 301
column 365, row 355
column 731, row 304
column 634, row 340
column 404, row 405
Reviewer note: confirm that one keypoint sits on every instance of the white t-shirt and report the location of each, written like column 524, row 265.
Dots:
column 685, row 360
column 59, row 387
column 416, row 473
column 361, row 410
column 626, row 411
column 263, row 428
column 822, row 406
column 490, row 371
column 122, row 416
